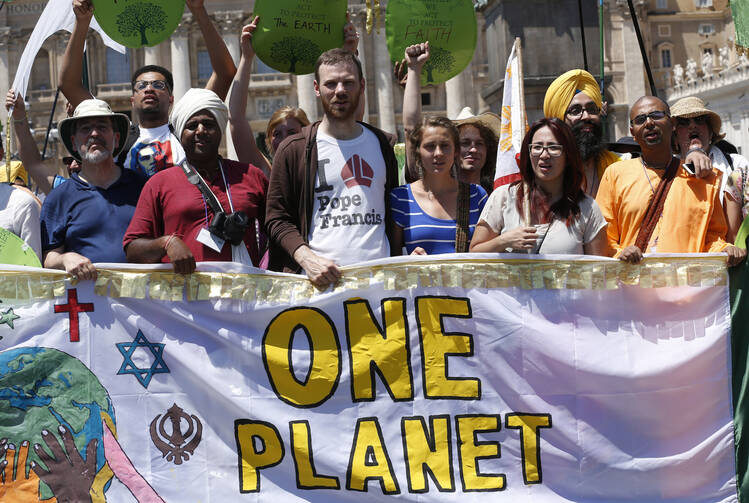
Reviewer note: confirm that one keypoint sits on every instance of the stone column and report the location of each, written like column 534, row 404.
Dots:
column 359, row 18
column 180, row 48
column 305, row 93
column 151, row 56
column 634, row 83
column 5, row 81
column 384, row 83
column 455, row 90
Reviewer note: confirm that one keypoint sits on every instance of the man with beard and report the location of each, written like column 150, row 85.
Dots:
column 575, row 98
column 652, row 204
column 84, row 219
column 328, row 195
column 152, row 90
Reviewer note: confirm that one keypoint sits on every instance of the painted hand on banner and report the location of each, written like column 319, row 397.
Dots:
column 417, row 55
column 21, row 487
column 350, row 36
column 83, row 10
column 67, row 474
column 245, row 39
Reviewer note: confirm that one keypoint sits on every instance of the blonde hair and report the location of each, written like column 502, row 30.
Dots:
column 281, row 115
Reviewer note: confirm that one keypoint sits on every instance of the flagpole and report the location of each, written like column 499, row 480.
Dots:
column 526, row 189
column 636, row 24
column 49, row 124
column 582, row 33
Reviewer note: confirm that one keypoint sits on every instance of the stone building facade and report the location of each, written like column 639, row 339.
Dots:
column 186, row 56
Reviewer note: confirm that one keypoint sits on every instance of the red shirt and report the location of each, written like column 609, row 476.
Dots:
column 169, row 204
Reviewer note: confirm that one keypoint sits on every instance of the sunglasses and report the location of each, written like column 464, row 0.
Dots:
column 577, row 110
column 699, row 120
column 142, row 85
column 654, row 116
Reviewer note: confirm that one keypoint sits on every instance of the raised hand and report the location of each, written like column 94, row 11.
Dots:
column 68, row 475
column 83, row 10
column 350, row 36
column 15, row 101
column 245, row 39
column 195, row 4
column 417, row 55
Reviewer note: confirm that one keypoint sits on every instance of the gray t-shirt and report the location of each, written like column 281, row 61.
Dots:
column 501, row 215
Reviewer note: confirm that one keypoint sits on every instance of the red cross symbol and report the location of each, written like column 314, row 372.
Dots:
column 73, row 308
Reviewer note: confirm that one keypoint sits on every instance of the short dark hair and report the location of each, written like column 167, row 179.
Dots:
column 154, row 68
column 336, row 57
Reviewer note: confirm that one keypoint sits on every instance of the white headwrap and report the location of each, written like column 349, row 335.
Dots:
column 194, row 101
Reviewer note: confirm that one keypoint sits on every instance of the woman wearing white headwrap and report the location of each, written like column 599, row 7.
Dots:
column 174, row 222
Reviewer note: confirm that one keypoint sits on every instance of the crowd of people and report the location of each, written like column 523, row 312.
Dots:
column 328, row 196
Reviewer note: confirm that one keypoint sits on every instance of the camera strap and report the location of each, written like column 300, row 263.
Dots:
column 194, row 178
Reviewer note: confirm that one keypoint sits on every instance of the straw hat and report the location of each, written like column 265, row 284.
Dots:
column 692, row 106
column 488, row 119
column 93, row 108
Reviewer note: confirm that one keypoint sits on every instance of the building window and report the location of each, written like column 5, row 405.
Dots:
column 664, row 30
column 426, row 99
column 665, row 58
column 40, row 71
column 204, row 66
column 118, row 66
column 261, row 67
column 703, row 4
column 661, row 4
column 706, row 29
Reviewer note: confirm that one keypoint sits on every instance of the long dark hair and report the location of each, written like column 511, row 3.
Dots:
column 567, row 208
column 491, row 141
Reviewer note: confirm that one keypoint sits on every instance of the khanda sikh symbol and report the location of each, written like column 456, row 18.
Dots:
column 174, row 446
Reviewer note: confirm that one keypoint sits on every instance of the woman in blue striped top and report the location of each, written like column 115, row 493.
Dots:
column 435, row 214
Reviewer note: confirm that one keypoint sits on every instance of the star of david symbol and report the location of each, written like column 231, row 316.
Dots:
column 7, row 318
column 128, row 366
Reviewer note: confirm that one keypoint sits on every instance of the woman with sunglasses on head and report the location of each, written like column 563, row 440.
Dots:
column 436, row 213
column 698, row 130
column 563, row 219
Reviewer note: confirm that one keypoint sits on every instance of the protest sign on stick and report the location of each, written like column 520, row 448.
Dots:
column 139, row 23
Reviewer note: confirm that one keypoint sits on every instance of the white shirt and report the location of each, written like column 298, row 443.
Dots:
column 19, row 214
column 348, row 219
column 154, row 150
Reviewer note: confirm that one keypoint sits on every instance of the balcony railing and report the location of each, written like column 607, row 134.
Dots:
column 118, row 89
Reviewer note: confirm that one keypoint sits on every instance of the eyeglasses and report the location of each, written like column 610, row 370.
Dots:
column 654, row 116
column 699, row 120
column 577, row 110
column 536, row 149
column 159, row 85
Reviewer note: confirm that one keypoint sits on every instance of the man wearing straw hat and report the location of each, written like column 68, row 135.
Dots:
column 84, row 219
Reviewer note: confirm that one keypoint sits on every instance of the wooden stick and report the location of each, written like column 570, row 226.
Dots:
column 519, row 76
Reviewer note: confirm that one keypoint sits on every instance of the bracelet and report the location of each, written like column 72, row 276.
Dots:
column 169, row 240
column 695, row 149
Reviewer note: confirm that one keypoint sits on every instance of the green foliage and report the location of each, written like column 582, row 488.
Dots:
column 138, row 17
column 295, row 50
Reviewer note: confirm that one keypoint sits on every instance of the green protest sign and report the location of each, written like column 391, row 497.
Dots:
column 291, row 34
column 13, row 250
column 448, row 25
column 139, row 23
column 740, row 10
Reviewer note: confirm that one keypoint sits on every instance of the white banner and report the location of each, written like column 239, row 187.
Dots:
column 424, row 381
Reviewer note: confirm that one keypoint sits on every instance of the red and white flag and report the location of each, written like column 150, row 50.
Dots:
column 514, row 124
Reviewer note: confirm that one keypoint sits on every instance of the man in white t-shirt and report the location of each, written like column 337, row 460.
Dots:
column 156, row 147
column 327, row 202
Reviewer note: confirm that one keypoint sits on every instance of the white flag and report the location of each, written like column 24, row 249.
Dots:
column 58, row 15
column 513, row 124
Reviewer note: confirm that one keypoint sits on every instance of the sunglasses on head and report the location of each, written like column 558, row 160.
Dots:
column 642, row 118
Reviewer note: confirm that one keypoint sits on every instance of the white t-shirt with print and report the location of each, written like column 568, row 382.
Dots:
column 348, row 220
column 155, row 150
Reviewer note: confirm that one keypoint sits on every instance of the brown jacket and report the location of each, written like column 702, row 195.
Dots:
column 290, row 199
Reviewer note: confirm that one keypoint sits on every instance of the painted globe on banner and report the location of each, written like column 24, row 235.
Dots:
column 139, row 23
column 292, row 34
column 43, row 389
column 448, row 25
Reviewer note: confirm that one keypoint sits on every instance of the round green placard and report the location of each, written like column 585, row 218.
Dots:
column 448, row 25
column 139, row 23
column 291, row 34
column 14, row 250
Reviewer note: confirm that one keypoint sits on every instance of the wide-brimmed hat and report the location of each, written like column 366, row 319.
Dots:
column 88, row 109
column 488, row 119
column 692, row 106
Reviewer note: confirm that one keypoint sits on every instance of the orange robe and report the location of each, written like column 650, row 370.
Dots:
column 692, row 219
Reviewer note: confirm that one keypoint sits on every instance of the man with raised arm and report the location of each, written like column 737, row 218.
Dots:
column 653, row 204
column 83, row 220
column 156, row 148
column 328, row 194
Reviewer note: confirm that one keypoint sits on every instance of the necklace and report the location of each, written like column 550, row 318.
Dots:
column 646, row 176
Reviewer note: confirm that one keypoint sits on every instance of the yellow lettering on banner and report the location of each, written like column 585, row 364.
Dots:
column 437, row 346
column 301, row 448
column 247, row 434
column 325, row 357
column 471, row 451
column 428, row 451
column 374, row 350
column 369, row 459
column 530, row 438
